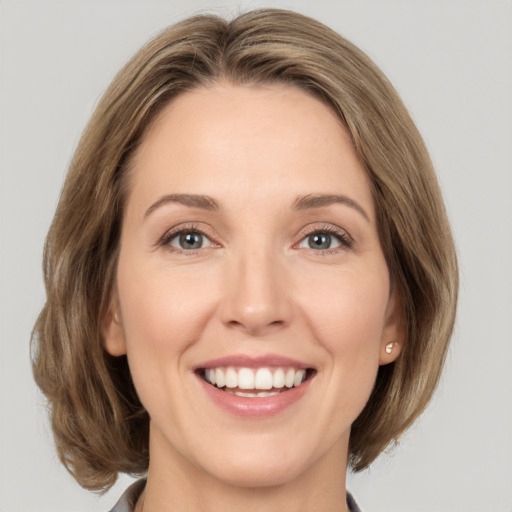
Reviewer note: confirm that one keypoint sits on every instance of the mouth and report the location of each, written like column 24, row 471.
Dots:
column 260, row 382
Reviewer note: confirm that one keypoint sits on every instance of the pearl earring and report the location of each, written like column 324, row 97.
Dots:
column 389, row 348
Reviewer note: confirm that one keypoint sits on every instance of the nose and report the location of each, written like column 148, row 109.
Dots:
column 257, row 292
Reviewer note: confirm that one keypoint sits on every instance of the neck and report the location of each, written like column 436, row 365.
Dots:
column 176, row 485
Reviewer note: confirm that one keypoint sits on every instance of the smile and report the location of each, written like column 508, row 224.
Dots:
column 255, row 382
column 254, row 386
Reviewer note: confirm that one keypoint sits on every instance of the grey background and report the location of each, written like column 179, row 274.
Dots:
column 452, row 63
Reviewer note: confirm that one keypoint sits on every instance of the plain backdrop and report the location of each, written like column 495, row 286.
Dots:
column 452, row 63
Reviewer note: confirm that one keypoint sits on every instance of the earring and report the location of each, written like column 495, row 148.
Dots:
column 389, row 348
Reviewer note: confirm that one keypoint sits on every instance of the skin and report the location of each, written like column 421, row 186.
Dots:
column 254, row 287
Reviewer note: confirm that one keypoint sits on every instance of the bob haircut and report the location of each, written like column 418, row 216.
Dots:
column 100, row 426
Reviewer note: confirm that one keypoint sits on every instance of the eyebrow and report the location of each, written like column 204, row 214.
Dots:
column 192, row 200
column 320, row 200
column 301, row 203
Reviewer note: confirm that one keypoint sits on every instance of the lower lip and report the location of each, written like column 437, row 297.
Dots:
column 257, row 407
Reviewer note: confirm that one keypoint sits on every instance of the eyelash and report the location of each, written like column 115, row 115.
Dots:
column 187, row 228
column 345, row 240
column 341, row 235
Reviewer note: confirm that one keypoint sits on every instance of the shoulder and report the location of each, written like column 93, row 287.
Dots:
column 352, row 505
column 129, row 498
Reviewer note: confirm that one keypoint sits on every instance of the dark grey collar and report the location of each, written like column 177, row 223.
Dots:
column 128, row 500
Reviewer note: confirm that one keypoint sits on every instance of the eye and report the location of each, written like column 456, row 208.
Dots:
column 320, row 241
column 326, row 239
column 187, row 240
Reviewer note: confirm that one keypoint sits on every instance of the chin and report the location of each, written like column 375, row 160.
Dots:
column 259, row 461
column 247, row 473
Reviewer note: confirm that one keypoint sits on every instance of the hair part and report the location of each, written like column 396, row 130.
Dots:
column 100, row 427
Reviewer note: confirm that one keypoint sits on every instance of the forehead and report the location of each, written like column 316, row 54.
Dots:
column 234, row 140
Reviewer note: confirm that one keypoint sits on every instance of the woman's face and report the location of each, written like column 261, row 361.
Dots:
column 252, row 296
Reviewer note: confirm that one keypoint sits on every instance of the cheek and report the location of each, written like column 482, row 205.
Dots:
column 162, row 307
column 163, row 314
column 348, row 320
column 348, row 313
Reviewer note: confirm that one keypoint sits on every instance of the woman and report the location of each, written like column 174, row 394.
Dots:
column 250, row 275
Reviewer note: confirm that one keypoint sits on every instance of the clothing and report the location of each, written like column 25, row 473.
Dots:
column 128, row 500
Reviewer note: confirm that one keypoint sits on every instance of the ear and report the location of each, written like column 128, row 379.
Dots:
column 393, row 333
column 112, row 329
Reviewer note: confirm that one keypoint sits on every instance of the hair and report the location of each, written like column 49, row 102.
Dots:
column 99, row 425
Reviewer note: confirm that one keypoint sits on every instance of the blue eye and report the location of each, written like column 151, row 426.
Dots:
column 323, row 240
column 188, row 240
column 320, row 241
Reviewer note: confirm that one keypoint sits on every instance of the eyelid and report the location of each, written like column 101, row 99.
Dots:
column 341, row 234
column 344, row 238
column 188, row 227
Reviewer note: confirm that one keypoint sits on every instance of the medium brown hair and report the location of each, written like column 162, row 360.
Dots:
column 99, row 424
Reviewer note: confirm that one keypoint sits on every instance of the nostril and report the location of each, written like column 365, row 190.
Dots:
column 256, row 326
column 256, row 302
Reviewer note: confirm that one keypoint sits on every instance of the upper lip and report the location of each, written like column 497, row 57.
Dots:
column 246, row 361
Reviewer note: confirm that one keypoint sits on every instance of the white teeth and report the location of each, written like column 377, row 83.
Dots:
column 231, row 378
column 299, row 377
column 245, row 378
column 262, row 379
column 278, row 378
column 289, row 378
column 252, row 395
column 267, row 393
column 220, row 381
